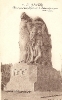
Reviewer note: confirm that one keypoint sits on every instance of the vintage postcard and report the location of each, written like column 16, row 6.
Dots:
column 31, row 49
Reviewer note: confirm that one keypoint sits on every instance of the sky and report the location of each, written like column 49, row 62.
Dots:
column 10, row 27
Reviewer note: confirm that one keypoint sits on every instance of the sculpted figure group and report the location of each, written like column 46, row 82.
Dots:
column 31, row 38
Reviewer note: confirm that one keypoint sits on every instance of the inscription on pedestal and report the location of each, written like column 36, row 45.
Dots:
column 22, row 77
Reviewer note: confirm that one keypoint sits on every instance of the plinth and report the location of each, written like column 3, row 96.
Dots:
column 23, row 77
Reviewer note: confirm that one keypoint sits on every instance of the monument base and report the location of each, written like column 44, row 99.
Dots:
column 23, row 77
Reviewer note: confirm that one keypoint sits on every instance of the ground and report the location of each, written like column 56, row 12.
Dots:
column 31, row 96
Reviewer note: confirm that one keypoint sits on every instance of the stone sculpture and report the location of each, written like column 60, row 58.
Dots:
column 34, row 70
column 34, row 40
column 35, row 51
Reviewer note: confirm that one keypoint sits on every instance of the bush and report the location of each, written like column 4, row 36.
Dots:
column 5, row 72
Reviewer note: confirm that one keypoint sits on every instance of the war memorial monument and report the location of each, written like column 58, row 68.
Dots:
column 34, row 70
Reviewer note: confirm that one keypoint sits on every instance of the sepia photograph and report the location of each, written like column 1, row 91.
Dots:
column 31, row 50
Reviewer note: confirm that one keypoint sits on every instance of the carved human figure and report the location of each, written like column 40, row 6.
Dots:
column 30, row 39
column 24, row 39
column 39, row 42
column 36, row 43
column 32, row 43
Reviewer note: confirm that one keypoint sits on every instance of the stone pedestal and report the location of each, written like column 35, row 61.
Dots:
column 23, row 77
